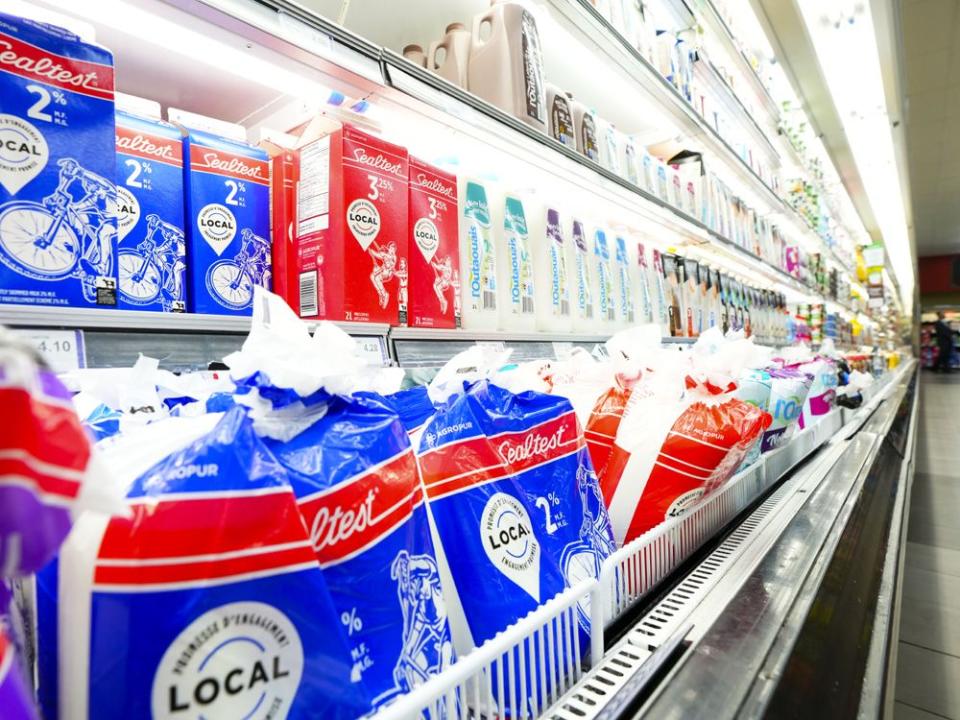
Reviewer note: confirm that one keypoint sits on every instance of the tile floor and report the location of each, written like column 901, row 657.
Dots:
column 928, row 662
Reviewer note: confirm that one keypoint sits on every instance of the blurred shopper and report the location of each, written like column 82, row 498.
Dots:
column 944, row 343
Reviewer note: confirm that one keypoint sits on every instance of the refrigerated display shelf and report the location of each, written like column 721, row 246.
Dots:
column 558, row 688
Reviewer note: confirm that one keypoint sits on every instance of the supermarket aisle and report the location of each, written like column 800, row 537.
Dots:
column 928, row 669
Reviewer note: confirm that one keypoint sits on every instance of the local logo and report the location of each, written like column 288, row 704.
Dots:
column 217, row 226
column 509, row 542
column 427, row 237
column 23, row 152
column 363, row 219
column 240, row 660
column 128, row 211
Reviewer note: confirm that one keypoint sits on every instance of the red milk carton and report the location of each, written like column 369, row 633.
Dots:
column 283, row 213
column 433, row 251
column 351, row 247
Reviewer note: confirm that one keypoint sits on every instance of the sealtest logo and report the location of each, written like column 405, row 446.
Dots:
column 435, row 184
column 332, row 525
column 48, row 69
column 509, row 542
column 23, row 152
column 379, row 162
column 217, row 226
column 533, row 445
column 233, row 166
column 240, row 660
column 143, row 145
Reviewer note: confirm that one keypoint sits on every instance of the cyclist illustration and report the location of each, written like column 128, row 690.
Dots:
column 582, row 558
column 154, row 269
column 69, row 234
column 442, row 280
column 230, row 281
column 384, row 268
column 403, row 279
column 427, row 647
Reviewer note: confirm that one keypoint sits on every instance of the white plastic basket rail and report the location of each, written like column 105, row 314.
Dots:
column 517, row 674
column 633, row 570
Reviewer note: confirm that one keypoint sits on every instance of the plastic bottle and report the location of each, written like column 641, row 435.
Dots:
column 415, row 54
column 560, row 114
column 478, row 265
column 606, row 304
column 585, row 128
column 582, row 288
column 624, row 285
column 646, row 310
column 552, row 277
column 609, row 146
column 453, row 63
column 629, row 161
column 506, row 63
column 515, row 269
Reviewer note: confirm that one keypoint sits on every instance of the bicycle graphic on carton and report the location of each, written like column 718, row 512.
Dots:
column 154, row 269
column 70, row 233
column 230, row 281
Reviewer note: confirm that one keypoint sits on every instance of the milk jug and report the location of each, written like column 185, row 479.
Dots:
column 624, row 285
column 606, row 306
column 609, row 147
column 478, row 265
column 515, row 269
column 552, row 274
column 560, row 114
column 452, row 62
column 585, row 128
column 415, row 54
column 582, row 288
column 506, row 63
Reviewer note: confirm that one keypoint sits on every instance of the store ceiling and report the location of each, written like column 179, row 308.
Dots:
column 931, row 43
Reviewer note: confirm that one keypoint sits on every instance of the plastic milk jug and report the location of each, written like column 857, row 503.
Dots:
column 415, row 54
column 478, row 264
column 560, row 113
column 506, row 63
column 448, row 57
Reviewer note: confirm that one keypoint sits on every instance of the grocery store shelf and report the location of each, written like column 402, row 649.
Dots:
column 410, row 333
column 141, row 321
column 712, row 17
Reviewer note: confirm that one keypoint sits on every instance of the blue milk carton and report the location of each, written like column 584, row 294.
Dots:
column 151, row 254
column 228, row 223
column 58, row 230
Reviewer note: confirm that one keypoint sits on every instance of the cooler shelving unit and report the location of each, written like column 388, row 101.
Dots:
column 635, row 581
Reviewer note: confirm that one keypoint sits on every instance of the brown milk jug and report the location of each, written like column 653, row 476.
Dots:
column 448, row 58
column 414, row 53
column 506, row 63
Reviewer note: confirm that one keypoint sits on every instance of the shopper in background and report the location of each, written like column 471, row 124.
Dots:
column 944, row 343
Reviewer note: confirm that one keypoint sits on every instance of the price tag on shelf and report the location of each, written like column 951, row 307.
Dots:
column 373, row 350
column 63, row 350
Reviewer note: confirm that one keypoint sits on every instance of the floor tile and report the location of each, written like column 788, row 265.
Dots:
column 928, row 680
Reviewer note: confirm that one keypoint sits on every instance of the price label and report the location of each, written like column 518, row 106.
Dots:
column 63, row 350
column 372, row 350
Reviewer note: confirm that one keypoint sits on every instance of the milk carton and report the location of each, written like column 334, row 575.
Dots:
column 351, row 225
column 478, row 256
column 228, row 223
column 583, row 287
column 606, row 306
column 283, row 213
column 151, row 253
column 434, row 254
column 515, row 269
column 58, row 231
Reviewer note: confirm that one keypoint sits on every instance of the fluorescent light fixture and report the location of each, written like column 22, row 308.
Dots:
column 843, row 36
column 201, row 46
